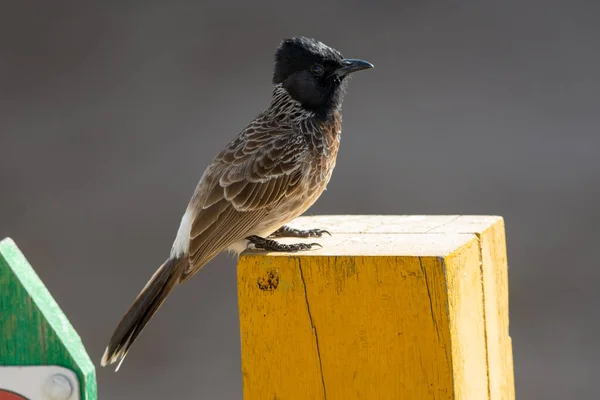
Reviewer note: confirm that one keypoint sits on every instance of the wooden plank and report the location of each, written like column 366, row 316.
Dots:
column 495, row 280
column 391, row 307
column 34, row 330
column 467, row 322
column 494, row 267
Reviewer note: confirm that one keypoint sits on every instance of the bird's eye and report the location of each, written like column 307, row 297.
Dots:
column 317, row 69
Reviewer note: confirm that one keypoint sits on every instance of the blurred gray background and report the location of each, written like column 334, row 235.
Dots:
column 109, row 113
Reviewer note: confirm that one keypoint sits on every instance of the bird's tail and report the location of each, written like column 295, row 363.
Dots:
column 141, row 311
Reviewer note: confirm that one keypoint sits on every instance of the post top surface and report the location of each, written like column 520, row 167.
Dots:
column 389, row 235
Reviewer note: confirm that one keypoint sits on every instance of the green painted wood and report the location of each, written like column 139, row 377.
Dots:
column 33, row 329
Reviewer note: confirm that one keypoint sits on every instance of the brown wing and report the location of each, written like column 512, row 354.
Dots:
column 246, row 181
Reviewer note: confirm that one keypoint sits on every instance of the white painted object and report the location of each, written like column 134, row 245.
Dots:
column 44, row 382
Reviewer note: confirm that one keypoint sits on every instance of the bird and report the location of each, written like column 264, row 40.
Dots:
column 269, row 174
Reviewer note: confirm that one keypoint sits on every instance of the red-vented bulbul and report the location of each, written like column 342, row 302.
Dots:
column 271, row 173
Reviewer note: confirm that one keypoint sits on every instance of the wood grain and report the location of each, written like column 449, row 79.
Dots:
column 392, row 307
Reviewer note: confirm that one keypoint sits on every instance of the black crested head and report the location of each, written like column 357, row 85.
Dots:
column 313, row 73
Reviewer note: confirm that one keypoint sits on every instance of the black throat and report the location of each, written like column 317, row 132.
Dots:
column 283, row 104
column 321, row 98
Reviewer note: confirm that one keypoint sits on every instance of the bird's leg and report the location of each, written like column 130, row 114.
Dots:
column 286, row 231
column 272, row 245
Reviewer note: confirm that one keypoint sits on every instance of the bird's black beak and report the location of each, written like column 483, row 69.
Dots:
column 351, row 66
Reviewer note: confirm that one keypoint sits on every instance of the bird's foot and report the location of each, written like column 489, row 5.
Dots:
column 286, row 231
column 272, row 245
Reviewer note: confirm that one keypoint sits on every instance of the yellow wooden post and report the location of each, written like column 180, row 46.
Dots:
column 392, row 307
